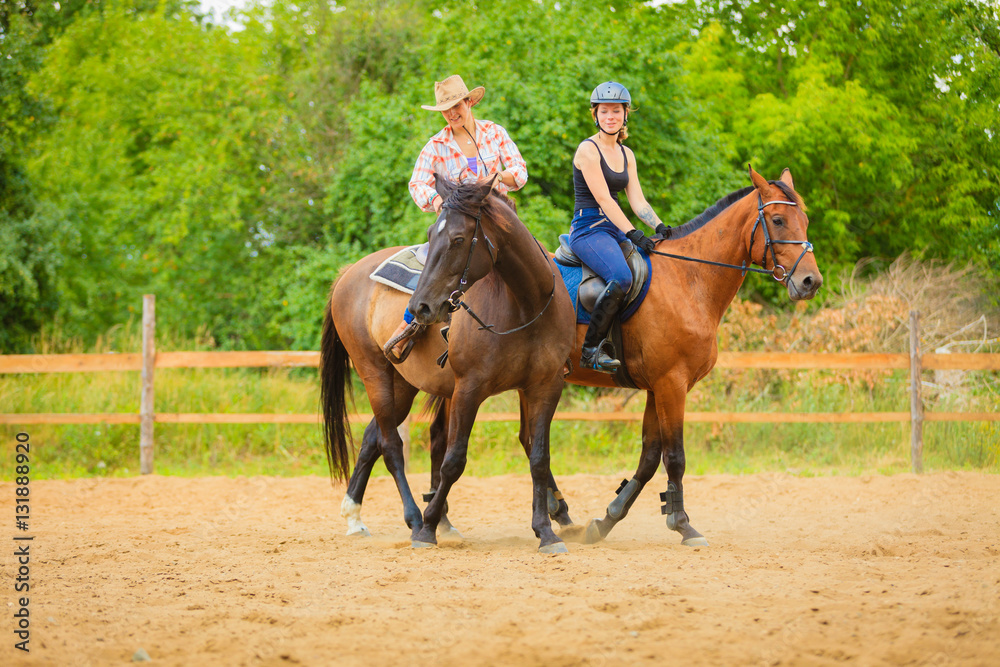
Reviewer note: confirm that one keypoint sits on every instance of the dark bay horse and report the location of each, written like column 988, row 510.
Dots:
column 670, row 342
column 511, row 283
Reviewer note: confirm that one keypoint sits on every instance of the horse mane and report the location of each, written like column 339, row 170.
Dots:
column 713, row 211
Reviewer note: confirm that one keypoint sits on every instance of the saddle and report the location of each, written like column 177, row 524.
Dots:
column 592, row 285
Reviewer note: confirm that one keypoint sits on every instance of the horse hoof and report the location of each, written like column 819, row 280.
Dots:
column 359, row 532
column 554, row 548
column 695, row 542
column 417, row 544
column 593, row 534
column 450, row 533
column 573, row 533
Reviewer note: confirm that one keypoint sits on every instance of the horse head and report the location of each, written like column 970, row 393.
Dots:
column 460, row 251
column 778, row 239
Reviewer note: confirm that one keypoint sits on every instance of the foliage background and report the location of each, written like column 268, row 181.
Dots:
column 146, row 148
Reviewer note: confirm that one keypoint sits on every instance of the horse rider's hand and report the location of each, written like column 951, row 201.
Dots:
column 663, row 231
column 641, row 240
column 497, row 180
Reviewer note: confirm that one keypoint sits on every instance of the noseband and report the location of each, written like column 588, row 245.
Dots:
column 769, row 243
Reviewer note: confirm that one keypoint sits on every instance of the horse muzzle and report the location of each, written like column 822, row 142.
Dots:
column 424, row 312
column 803, row 285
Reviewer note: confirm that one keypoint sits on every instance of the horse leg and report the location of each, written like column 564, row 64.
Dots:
column 556, row 505
column 400, row 401
column 439, row 445
column 672, row 427
column 542, row 405
column 462, row 415
column 629, row 490
column 350, row 507
column 390, row 397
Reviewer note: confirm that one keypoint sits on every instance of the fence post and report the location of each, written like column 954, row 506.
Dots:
column 404, row 434
column 146, row 410
column 916, row 404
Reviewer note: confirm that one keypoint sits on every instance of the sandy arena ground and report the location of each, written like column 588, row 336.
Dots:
column 900, row 570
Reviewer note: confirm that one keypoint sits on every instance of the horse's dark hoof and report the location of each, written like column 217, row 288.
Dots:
column 554, row 548
column 417, row 544
column 573, row 533
column 689, row 536
column 593, row 534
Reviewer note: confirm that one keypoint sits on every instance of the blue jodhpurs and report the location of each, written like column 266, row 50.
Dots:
column 595, row 241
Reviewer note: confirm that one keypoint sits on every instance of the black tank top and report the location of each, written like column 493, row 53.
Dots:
column 616, row 182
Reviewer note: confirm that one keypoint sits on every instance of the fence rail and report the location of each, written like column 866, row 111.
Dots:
column 91, row 363
column 150, row 360
column 364, row 418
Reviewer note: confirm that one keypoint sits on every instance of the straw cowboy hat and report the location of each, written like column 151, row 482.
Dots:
column 451, row 91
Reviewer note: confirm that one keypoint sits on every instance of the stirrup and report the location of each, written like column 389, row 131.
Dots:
column 593, row 362
column 410, row 332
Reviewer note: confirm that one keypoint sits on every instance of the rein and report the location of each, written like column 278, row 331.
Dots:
column 769, row 244
column 455, row 301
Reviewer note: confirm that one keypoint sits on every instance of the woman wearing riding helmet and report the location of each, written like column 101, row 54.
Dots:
column 603, row 167
column 466, row 150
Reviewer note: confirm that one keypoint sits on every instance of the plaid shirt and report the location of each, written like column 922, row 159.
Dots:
column 442, row 153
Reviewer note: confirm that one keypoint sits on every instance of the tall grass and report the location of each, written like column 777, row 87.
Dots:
column 869, row 316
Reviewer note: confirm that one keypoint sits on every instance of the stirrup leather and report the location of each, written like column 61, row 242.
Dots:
column 408, row 334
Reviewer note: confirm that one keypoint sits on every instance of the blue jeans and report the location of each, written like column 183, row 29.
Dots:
column 594, row 239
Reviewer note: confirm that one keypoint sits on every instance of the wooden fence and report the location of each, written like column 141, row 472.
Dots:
column 150, row 359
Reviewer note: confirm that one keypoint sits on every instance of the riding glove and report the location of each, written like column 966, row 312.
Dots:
column 641, row 240
column 663, row 231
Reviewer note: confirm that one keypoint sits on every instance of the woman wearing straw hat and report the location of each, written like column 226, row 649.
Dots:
column 465, row 150
column 603, row 167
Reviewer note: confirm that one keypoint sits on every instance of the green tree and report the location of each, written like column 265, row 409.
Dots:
column 167, row 146
column 41, row 239
column 886, row 113
column 33, row 238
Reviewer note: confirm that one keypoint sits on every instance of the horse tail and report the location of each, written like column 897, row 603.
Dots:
column 335, row 385
column 432, row 406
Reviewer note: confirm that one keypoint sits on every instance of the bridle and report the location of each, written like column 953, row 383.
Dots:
column 456, row 301
column 769, row 244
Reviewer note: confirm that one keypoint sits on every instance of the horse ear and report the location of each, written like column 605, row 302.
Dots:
column 443, row 186
column 786, row 178
column 485, row 188
column 759, row 182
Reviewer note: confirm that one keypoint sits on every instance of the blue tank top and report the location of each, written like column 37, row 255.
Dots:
column 616, row 181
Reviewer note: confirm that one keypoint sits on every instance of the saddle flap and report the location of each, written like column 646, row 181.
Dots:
column 592, row 285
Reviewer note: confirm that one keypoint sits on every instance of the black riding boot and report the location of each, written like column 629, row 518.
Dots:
column 605, row 311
